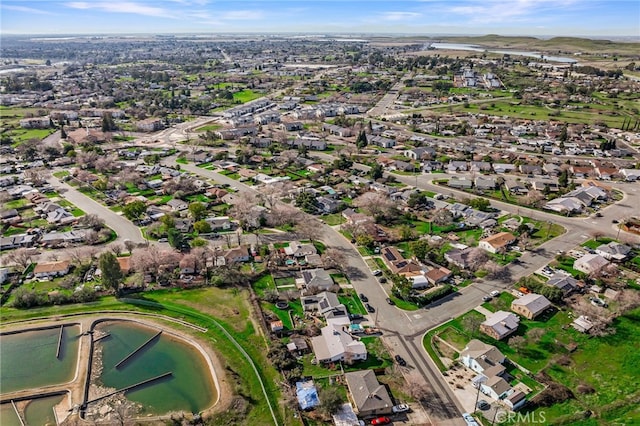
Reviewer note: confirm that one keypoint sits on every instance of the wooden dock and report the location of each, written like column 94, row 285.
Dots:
column 128, row 388
column 59, row 342
column 141, row 347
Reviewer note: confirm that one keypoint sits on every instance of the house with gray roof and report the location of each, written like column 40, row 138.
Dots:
column 500, row 325
column 530, row 305
column 369, row 397
column 614, row 251
column 336, row 344
column 317, row 279
column 564, row 282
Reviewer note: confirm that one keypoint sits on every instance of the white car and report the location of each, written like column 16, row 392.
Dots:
column 469, row 419
column 400, row 408
column 377, row 272
column 495, row 293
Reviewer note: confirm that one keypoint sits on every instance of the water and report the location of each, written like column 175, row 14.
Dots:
column 474, row 48
column 8, row 416
column 190, row 388
column 40, row 411
column 28, row 359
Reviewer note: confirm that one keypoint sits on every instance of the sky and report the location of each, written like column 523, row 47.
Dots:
column 599, row 18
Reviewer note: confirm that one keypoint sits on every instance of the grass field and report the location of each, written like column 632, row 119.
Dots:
column 246, row 95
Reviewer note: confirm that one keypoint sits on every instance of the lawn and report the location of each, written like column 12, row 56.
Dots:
column 353, row 303
column 333, row 219
column 263, row 284
column 209, row 127
column 245, row 96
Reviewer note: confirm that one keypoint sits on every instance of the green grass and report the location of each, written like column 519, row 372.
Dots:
column 263, row 284
column 61, row 174
column 333, row 219
column 15, row 204
column 353, row 303
column 209, row 127
column 245, row 96
column 403, row 304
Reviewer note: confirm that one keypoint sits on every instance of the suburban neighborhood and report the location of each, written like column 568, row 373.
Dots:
column 382, row 232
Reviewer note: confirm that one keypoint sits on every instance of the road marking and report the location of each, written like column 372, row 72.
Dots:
column 417, row 316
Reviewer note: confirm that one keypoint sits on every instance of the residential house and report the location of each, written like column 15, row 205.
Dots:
column 336, row 344
column 10, row 216
column 483, row 183
column 495, row 387
column 369, row 397
column 481, row 357
column 328, row 205
column 177, row 205
column 545, row 185
column 460, row 183
column 318, row 279
column 497, row 242
column 614, row 251
column 397, row 264
column 583, row 324
column 342, row 132
column 321, row 302
column 381, row 141
column 515, row 186
column 530, row 169
column 530, row 305
column 150, row 125
column 457, row 166
column 500, row 325
column 238, row 254
column 312, row 144
column 516, row 400
column 60, row 216
column 590, row 263
column 458, row 257
column 420, row 153
column 607, row 173
column 501, row 168
column 57, row 239
column 437, row 275
column 551, row 169
column 125, row 264
column 51, row 269
column 292, row 126
column 568, row 205
column 296, row 249
column 564, row 282
column 15, row 241
column 480, row 166
column 630, row 175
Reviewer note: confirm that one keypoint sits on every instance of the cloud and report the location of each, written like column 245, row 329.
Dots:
column 122, row 7
column 400, row 16
column 26, row 9
column 499, row 11
column 233, row 15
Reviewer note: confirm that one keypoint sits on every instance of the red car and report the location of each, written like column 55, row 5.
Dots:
column 381, row 421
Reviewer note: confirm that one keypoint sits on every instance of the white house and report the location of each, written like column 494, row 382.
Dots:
column 590, row 263
column 335, row 344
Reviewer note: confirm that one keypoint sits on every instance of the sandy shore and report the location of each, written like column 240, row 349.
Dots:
column 100, row 414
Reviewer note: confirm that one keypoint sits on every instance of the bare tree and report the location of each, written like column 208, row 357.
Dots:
column 517, row 342
column 443, row 217
column 106, row 163
column 471, row 323
column 244, row 209
column 129, row 245
column 20, row 257
column 476, row 258
column 334, row 258
column 376, row 204
column 116, row 248
column 37, row 176
column 309, row 228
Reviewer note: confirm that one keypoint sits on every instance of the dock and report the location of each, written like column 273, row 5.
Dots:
column 128, row 388
column 17, row 412
column 141, row 347
column 59, row 342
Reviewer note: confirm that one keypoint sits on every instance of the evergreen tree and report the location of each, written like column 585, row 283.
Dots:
column 110, row 270
column 361, row 141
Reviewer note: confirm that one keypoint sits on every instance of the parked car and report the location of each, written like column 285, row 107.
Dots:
column 400, row 408
column 363, row 297
column 483, row 405
column 382, row 280
column 370, row 308
column 495, row 293
column 381, row 421
column 400, row 360
column 377, row 272
column 355, row 316
column 391, row 302
column 469, row 419
column 486, row 298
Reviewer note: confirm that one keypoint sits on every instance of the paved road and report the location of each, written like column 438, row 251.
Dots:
column 123, row 227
